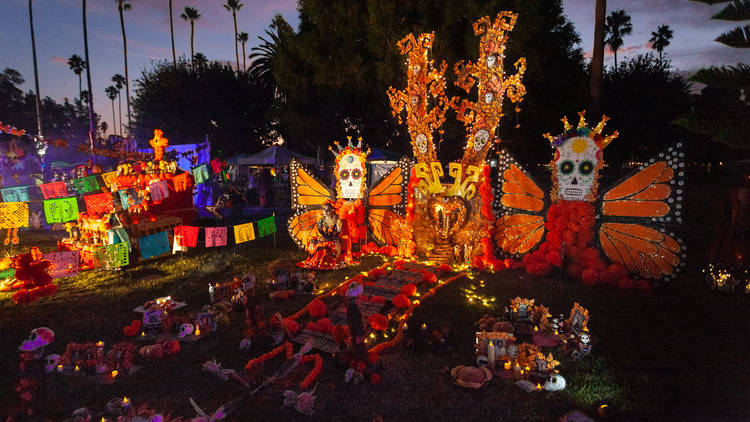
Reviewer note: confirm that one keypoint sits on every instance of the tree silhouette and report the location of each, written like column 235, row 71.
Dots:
column 191, row 14
column 77, row 64
column 112, row 92
column 122, row 6
column 36, row 72
column 119, row 82
column 234, row 6
column 618, row 25
column 199, row 60
column 242, row 37
column 171, row 33
column 660, row 39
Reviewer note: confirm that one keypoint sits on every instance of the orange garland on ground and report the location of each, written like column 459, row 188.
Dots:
column 286, row 347
column 313, row 375
column 289, row 351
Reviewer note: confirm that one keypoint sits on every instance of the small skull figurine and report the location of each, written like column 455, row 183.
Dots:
column 186, row 329
column 556, row 383
column 351, row 175
column 584, row 344
column 491, row 60
column 421, row 141
column 480, row 139
column 51, row 362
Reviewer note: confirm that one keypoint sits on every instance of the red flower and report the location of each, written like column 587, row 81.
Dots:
column 317, row 309
column 401, row 301
column 378, row 322
column 375, row 379
column 409, row 289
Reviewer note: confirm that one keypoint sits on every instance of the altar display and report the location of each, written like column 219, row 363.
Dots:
column 634, row 222
column 452, row 223
column 328, row 224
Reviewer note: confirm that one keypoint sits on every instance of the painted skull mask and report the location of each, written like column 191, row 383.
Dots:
column 576, row 169
column 421, row 141
column 351, row 175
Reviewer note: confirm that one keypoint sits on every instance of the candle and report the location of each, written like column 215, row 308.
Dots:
column 491, row 355
column 197, row 330
column 506, row 366
column 538, row 386
column 114, row 373
column 517, row 370
column 59, row 368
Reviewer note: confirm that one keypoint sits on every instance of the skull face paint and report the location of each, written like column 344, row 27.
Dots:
column 576, row 169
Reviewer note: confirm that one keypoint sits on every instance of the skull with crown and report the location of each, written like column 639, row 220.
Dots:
column 577, row 159
column 351, row 170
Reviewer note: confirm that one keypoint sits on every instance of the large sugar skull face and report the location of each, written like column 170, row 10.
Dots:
column 350, row 174
column 576, row 167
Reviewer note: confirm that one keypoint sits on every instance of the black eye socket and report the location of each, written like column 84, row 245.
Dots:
column 567, row 167
column 344, row 174
column 586, row 167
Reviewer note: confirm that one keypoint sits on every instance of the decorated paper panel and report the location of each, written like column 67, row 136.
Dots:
column 60, row 210
column 16, row 194
column 99, row 203
column 200, row 174
column 63, row 264
column 266, row 226
column 188, row 235
column 154, row 245
column 216, row 236
column 86, row 184
column 244, row 233
column 14, row 215
column 109, row 178
column 159, row 190
column 182, row 182
column 113, row 256
column 54, row 190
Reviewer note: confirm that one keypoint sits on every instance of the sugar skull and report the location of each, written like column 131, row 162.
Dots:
column 480, row 139
column 350, row 173
column 555, row 383
column 576, row 169
column 421, row 141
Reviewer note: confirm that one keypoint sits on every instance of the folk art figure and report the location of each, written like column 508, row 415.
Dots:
column 632, row 223
column 328, row 223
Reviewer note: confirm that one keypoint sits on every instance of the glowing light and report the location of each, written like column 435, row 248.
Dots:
column 114, row 373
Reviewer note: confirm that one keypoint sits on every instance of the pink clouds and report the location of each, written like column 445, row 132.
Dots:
column 59, row 60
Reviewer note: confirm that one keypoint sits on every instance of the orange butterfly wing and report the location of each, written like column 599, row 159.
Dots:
column 302, row 226
column 637, row 214
column 520, row 201
column 386, row 201
column 307, row 190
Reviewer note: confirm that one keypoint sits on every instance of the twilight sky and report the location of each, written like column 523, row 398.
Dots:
column 59, row 35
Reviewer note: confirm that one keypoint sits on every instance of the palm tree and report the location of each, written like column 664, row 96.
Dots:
column 121, row 7
column 618, row 24
column 77, row 64
column 36, row 72
column 112, row 93
column 660, row 39
column 199, row 60
column 243, row 37
column 119, row 82
column 171, row 32
column 262, row 58
column 191, row 14
column 597, row 58
column 90, row 95
column 233, row 6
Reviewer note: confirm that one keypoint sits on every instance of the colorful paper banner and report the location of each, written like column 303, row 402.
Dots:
column 200, row 174
column 14, row 215
column 15, row 194
column 113, row 256
column 109, row 178
column 54, row 190
column 60, row 210
column 63, row 264
column 189, row 235
column 216, row 236
column 159, row 190
column 244, row 232
column 86, row 184
column 99, row 203
column 266, row 226
column 154, row 245
column 182, row 182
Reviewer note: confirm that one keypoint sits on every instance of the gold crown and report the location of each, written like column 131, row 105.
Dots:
column 582, row 129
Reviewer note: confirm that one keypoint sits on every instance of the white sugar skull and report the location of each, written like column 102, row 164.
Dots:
column 414, row 100
column 491, row 60
column 421, row 141
column 351, row 176
column 576, row 169
column 585, row 339
column 416, row 68
column 556, row 383
column 488, row 96
column 480, row 139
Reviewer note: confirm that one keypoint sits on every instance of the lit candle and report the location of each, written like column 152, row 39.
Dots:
column 114, row 373
column 538, row 386
column 197, row 330
column 506, row 366
column 59, row 368
column 517, row 369
column 491, row 355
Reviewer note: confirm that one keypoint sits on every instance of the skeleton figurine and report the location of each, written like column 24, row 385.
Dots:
column 584, row 345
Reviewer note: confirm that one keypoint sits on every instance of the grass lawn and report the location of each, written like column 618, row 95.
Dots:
column 679, row 353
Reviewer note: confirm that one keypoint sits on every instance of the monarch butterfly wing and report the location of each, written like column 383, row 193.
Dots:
column 390, row 191
column 307, row 191
column 386, row 201
column 640, row 215
column 383, row 223
column 519, row 203
column 302, row 226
